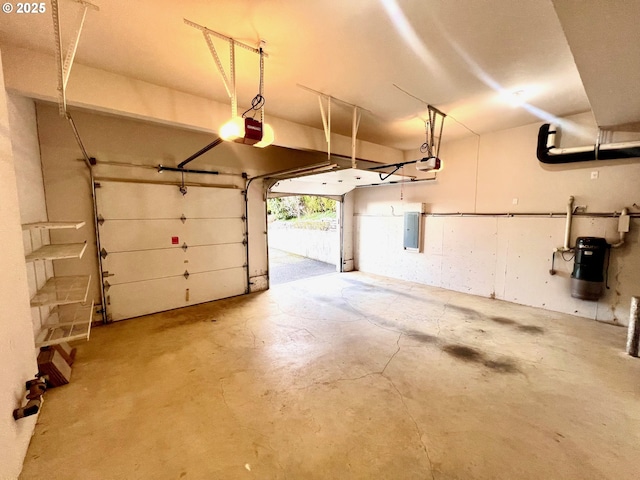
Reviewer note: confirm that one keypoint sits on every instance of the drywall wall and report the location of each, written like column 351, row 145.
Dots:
column 501, row 256
column 128, row 149
column 31, row 199
column 17, row 352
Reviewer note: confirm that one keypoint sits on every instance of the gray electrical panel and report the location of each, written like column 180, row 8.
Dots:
column 412, row 231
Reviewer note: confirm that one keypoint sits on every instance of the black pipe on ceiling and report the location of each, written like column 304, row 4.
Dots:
column 545, row 155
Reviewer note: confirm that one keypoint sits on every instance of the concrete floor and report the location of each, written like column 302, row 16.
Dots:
column 287, row 267
column 346, row 376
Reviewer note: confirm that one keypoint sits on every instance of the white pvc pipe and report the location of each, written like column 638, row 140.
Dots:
column 567, row 229
column 633, row 336
column 562, row 151
column 614, row 146
column 624, row 212
column 551, row 145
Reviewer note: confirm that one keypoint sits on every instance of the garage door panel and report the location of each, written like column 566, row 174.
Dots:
column 226, row 283
column 210, row 232
column 128, row 267
column 162, row 294
column 216, row 257
column 119, row 200
column 142, row 298
column 146, row 268
column 224, row 203
column 131, row 235
column 128, row 235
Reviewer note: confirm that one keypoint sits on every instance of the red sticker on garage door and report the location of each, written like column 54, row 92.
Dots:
column 175, row 240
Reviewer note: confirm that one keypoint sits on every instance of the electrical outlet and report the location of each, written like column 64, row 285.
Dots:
column 594, row 175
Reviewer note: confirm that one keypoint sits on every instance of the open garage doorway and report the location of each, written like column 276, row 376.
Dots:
column 304, row 237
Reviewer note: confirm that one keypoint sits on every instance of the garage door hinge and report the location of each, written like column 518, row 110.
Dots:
column 183, row 218
column 186, row 275
column 243, row 218
column 184, row 246
column 97, row 184
column 103, row 253
column 107, row 286
column 244, row 242
column 100, row 220
column 106, row 274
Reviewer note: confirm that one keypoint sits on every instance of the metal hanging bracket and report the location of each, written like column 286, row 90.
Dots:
column 434, row 123
column 230, row 80
column 65, row 63
column 184, row 246
column 183, row 218
column 182, row 187
column 101, row 220
column 326, row 120
column 103, row 253
column 186, row 274
column 357, row 116
column 433, row 131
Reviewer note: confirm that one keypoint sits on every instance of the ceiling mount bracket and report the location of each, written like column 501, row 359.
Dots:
column 230, row 81
column 64, row 64
column 357, row 116
column 326, row 120
column 431, row 146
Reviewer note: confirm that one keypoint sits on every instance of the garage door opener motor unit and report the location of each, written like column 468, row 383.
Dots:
column 587, row 278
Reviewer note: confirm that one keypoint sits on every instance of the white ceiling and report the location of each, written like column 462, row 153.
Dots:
column 335, row 183
column 605, row 42
column 462, row 56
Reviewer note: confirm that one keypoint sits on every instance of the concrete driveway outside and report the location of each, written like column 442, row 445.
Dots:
column 287, row 267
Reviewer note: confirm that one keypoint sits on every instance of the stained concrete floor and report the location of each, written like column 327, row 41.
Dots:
column 346, row 376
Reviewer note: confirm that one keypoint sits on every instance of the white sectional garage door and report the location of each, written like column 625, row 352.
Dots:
column 165, row 250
